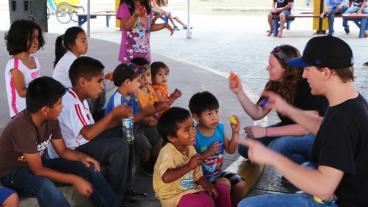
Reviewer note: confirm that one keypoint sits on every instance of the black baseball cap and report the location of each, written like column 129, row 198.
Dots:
column 324, row 51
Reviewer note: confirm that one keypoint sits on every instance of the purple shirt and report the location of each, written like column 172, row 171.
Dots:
column 136, row 41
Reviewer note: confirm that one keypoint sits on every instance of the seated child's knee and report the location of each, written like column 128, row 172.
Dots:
column 224, row 181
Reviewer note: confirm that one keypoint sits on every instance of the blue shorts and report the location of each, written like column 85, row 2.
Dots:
column 232, row 177
column 4, row 194
column 286, row 12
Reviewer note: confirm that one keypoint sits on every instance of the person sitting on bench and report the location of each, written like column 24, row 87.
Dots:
column 281, row 9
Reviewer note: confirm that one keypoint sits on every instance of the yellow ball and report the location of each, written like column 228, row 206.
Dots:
column 233, row 120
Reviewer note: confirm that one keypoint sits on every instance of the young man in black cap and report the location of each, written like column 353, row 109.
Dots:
column 340, row 152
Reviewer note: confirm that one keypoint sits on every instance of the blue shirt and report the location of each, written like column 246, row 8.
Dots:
column 212, row 166
column 117, row 99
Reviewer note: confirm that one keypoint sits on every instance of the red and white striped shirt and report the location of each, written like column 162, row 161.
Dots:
column 74, row 116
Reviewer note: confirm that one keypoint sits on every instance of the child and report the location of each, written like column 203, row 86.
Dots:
column 23, row 39
column 68, row 47
column 127, row 79
column 178, row 179
column 136, row 25
column 8, row 198
column 160, row 73
column 102, row 139
column 162, row 5
column 147, row 100
column 24, row 165
column 211, row 142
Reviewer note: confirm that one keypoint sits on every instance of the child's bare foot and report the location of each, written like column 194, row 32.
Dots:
column 269, row 32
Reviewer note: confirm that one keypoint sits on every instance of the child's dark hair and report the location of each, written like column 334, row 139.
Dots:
column 168, row 122
column 43, row 91
column 156, row 66
column 64, row 42
column 131, row 5
column 123, row 72
column 85, row 67
column 20, row 36
column 139, row 61
column 202, row 101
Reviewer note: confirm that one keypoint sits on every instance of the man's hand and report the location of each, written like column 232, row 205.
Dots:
column 257, row 152
column 276, row 102
column 255, row 131
column 88, row 161
column 83, row 186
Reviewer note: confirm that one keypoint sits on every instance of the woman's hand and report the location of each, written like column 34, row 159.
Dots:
column 235, row 83
column 255, row 132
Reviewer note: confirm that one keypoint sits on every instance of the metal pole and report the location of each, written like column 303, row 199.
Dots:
column 320, row 31
column 88, row 18
column 189, row 32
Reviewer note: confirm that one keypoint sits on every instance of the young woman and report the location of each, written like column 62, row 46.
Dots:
column 285, row 137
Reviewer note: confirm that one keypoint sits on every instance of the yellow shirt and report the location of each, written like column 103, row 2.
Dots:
column 169, row 194
column 147, row 100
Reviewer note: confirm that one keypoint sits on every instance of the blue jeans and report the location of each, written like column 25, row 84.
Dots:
column 331, row 19
column 296, row 148
column 353, row 9
column 28, row 184
column 284, row 200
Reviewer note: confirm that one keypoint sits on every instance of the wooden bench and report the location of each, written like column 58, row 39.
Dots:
column 82, row 18
column 361, row 20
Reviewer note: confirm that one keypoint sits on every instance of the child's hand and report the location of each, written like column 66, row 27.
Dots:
column 139, row 11
column 195, row 161
column 235, row 83
column 176, row 94
column 121, row 111
column 255, row 132
column 235, row 124
column 109, row 77
column 160, row 106
column 212, row 191
column 214, row 149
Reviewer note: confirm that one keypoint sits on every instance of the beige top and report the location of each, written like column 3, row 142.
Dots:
column 169, row 194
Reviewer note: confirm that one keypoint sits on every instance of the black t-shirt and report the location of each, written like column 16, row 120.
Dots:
column 282, row 3
column 342, row 143
column 306, row 101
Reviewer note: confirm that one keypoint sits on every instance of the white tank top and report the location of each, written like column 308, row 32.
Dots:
column 15, row 102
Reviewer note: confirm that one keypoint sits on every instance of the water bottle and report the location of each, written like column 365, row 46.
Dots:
column 127, row 127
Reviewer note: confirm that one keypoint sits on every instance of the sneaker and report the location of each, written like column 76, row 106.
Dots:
column 132, row 194
column 176, row 28
column 148, row 166
column 347, row 30
column 127, row 202
column 186, row 27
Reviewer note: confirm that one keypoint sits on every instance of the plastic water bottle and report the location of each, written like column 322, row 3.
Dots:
column 127, row 127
